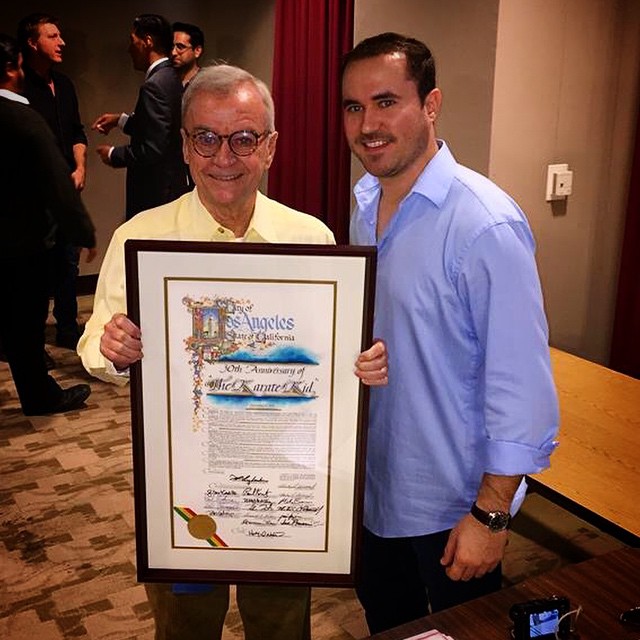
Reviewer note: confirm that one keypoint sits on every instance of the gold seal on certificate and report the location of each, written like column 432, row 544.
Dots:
column 202, row 527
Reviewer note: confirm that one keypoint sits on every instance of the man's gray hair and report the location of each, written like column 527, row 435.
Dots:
column 222, row 79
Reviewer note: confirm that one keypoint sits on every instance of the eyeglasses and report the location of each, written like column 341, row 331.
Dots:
column 181, row 47
column 242, row 143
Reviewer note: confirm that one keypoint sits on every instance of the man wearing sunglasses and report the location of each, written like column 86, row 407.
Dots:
column 229, row 142
column 188, row 45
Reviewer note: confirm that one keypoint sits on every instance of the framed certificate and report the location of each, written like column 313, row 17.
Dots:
column 249, row 425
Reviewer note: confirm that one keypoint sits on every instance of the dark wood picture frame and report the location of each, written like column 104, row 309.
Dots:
column 154, row 268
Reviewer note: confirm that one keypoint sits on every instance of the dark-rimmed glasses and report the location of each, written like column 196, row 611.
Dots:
column 242, row 143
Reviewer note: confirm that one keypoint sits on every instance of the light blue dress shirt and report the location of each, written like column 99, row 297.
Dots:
column 459, row 305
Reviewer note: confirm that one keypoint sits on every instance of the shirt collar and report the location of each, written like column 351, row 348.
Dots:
column 260, row 227
column 34, row 77
column 433, row 183
column 12, row 95
column 153, row 65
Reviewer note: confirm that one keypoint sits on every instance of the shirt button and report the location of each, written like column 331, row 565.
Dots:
column 220, row 230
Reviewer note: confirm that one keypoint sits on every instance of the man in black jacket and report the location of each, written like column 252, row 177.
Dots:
column 53, row 96
column 155, row 166
column 38, row 196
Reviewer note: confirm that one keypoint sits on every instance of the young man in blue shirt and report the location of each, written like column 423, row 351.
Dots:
column 470, row 407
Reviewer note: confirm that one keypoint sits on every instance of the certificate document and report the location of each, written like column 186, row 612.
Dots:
column 248, row 419
column 258, row 371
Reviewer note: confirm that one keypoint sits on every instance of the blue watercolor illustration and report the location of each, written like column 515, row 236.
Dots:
column 241, row 402
column 281, row 355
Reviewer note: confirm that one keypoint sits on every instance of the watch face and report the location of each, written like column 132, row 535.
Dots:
column 498, row 520
column 494, row 520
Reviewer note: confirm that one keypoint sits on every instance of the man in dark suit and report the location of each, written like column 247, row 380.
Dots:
column 155, row 167
column 38, row 196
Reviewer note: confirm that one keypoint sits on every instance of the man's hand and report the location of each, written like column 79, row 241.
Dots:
column 103, row 151
column 106, row 122
column 121, row 342
column 78, row 177
column 372, row 365
column 472, row 550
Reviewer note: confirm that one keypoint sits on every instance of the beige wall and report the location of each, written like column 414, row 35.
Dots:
column 527, row 83
column 97, row 61
column 566, row 90
column 462, row 37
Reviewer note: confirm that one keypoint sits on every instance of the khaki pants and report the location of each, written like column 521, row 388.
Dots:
column 267, row 612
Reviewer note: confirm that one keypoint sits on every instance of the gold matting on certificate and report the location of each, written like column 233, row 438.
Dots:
column 249, row 425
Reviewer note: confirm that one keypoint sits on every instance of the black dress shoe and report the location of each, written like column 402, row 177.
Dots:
column 71, row 398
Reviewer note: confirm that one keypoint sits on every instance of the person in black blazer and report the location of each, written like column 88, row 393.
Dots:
column 156, row 171
column 53, row 96
column 38, row 198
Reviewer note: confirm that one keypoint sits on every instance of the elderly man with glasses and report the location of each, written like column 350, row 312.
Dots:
column 229, row 142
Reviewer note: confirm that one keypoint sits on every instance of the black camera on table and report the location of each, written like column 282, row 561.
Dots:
column 541, row 618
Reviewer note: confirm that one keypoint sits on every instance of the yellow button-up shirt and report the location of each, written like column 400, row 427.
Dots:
column 183, row 219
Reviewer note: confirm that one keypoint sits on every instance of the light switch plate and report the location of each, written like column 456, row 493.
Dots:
column 552, row 169
column 563, row 183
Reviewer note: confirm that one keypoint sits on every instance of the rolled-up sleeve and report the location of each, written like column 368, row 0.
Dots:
column 500, row 284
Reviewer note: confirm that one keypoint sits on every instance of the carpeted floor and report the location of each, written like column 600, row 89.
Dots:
column 66, row 531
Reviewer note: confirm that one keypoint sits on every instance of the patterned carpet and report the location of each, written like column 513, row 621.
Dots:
column 66, row 531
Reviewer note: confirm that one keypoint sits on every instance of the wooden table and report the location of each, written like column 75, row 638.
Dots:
column 595, row 471
column 604, row 586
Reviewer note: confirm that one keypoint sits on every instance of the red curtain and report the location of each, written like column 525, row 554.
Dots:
column 311, row 170
column 625, row 344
